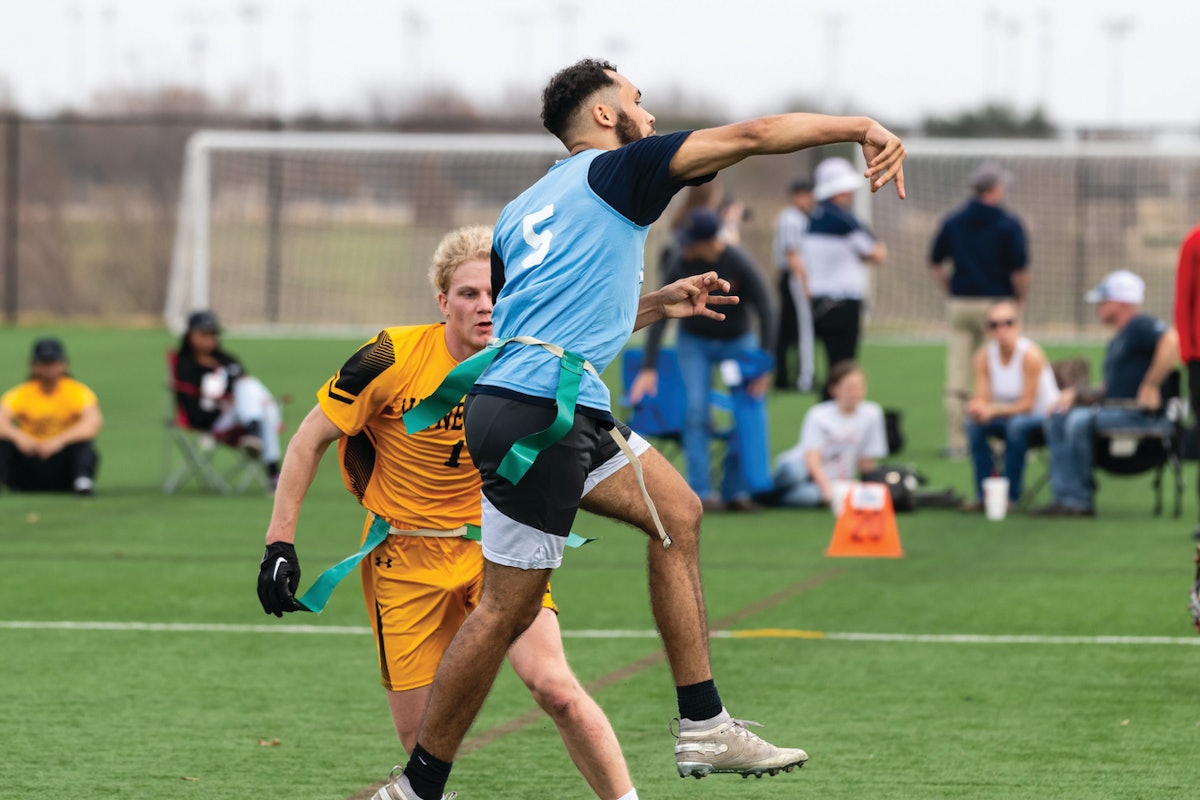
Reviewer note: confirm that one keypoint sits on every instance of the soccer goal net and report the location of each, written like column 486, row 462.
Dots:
column 329, row 233
column 1088, row 208
column 332, row 232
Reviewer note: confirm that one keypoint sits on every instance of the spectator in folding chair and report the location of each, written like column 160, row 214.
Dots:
column 1141, row 355
column 47, row 426
column 1015, row 390
column 218, row 395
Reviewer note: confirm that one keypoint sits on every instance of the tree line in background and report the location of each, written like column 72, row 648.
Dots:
column 444, row 109
column 88, row 198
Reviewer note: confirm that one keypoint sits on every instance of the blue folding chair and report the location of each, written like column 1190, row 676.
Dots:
column 658, row 416
column 662, row 416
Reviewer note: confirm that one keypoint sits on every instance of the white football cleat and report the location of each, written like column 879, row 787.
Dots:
column 728, row 746
column 398, row 788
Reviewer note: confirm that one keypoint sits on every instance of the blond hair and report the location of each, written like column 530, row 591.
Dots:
column 456, row 248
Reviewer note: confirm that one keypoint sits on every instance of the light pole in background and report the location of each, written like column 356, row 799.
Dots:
column 252, row 16
column 831, row 103
column 1118, row 29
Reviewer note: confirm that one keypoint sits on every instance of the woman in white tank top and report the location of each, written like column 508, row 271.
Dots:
column 1014, row 392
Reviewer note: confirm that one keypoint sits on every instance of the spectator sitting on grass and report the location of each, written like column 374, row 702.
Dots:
column 839, row 439
column 47, row 425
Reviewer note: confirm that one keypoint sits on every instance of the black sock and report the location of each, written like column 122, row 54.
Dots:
column 426, row 774
column 699, row 701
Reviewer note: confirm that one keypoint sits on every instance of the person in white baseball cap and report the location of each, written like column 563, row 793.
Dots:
column 1121, row 286
column 1141, row 354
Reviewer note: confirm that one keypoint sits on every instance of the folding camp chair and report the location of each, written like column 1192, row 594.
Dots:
column 662, row 416
column 1069, row 373
column 1155, row 447
column 214, row 462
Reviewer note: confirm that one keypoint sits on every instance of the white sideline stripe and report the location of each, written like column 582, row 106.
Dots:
column 772, row 633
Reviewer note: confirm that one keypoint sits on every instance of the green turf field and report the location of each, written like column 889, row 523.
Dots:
column 189, row 702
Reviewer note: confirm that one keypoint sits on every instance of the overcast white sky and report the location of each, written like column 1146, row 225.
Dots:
column 1090, row 62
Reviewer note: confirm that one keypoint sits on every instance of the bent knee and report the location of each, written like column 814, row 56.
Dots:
column 507, row 618
column 556, row 695
column 681, row 516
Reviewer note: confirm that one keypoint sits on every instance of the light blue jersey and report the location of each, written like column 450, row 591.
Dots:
column 571, row 248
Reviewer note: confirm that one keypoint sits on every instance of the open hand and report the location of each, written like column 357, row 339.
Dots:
column 689, row 297
column 885, row 154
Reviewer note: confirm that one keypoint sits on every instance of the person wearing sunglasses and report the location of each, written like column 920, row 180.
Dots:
column 1014, row 392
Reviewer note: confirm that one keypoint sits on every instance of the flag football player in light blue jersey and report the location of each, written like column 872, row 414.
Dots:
column 567, row 266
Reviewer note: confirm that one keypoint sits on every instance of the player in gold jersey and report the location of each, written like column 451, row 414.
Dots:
column 420, row 583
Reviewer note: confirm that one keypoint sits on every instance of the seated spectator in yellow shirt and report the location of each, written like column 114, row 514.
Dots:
column 47, row 425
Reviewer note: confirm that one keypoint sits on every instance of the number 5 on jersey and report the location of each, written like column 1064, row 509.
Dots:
column 539, row 241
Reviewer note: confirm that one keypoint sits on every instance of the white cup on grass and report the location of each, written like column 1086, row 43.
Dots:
column 840, row 490
column 995, row 497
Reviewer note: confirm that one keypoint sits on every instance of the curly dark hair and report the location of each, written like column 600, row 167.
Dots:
column 569, row 88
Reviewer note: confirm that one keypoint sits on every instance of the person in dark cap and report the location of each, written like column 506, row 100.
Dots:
column 217, row 395
column 703, row 344
column 47, row 427
column 986, row 245
column 795, row 314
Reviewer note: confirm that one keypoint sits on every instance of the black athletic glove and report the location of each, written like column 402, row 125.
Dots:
column 278, row 579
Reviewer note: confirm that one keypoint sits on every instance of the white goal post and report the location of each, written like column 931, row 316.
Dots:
column 333, row 232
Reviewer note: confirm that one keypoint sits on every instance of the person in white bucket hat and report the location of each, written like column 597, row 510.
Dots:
column 835, row 251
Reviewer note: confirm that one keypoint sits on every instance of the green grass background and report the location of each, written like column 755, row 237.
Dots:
column 147, row 715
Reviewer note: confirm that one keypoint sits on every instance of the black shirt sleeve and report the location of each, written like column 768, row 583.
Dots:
column 498, row 279
column 188, row 374
column 636, row 179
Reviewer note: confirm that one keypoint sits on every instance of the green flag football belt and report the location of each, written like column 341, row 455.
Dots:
column 513, row 466
column 524, row 451
column 317, row 595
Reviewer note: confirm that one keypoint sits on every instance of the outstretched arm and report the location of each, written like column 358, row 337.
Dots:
column 713, row 149
column 686, row 297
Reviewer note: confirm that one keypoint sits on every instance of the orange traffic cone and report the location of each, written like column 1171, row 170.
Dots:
column 867, row 525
